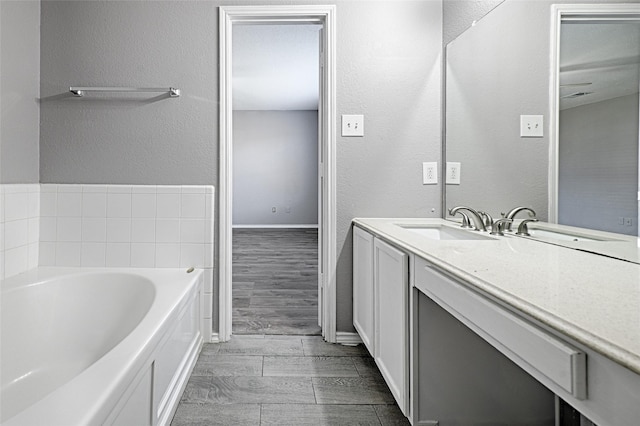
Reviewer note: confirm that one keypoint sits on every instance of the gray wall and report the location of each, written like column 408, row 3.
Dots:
column 19, row 91
column 388, row 68
column 275, row 164
column 598, row 179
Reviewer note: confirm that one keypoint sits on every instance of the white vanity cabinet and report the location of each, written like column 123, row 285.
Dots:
column 391, row 289
column 363, row 287
column 380, row 309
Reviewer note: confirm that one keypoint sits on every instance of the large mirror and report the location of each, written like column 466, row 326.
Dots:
column 579, row 72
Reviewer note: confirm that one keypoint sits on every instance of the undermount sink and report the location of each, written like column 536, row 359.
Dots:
column 441, row 232
column 559, row 235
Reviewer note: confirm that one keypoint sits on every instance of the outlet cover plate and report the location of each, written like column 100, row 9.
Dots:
column 352, row 125
column 531, row 126
column 453, row 173
column 430, row 173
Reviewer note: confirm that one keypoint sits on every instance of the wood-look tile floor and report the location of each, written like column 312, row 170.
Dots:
column 275, row 281
column 286, row 380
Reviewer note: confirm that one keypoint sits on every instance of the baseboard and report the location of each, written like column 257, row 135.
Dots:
column 349, row 339
column 275, row 226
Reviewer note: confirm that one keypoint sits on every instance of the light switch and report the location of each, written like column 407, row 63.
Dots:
column 352, row 125
column 531, row 126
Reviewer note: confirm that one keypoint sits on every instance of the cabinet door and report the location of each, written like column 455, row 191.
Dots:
column 363, row 286
column 391, row 314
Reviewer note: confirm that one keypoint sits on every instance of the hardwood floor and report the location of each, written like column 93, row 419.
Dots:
column 275, row 281
column 286, row 380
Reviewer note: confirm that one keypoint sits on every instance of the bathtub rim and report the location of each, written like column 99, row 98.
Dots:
column 91, row 404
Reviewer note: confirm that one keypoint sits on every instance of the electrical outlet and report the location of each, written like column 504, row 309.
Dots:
column 430, row 173
column 628, row 221
column 531, row 126
column 273, row 209
column 352, row 125
column 453, row 173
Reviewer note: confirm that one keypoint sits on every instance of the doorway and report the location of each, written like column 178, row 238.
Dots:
column 326, row 257
column 595, row 140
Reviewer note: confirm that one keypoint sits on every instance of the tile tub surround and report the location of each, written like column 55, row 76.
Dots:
column 19, row 228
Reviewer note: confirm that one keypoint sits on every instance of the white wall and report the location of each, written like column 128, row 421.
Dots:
column 19, row 91
column 598, row 158
column 275, row 164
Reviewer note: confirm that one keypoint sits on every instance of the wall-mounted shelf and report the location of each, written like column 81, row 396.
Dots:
column 81, row 91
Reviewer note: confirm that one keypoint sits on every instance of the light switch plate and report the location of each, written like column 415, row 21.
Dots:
column 352, row 125
column 531, row 126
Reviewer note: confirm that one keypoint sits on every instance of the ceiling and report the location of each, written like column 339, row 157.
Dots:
column 275, row 67
column 607, row 55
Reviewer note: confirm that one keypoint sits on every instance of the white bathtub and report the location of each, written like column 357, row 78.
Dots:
column 84, row 346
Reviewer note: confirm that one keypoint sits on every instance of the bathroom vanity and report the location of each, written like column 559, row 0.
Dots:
column 470, row 328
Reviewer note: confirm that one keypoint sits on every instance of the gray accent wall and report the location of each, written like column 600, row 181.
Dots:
column 388, row 68
column 275, row 165
column 598, row 157
column 19, row 91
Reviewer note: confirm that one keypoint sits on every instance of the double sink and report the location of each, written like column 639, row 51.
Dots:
column 444, row 232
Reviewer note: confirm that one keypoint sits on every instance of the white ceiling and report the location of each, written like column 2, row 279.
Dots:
column 607, row 55
column 275, row 67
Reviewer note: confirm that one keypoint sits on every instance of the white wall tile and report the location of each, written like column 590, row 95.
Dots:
column 119, row 189
column 118, row 205
column 193, row 205
column 49, row 187
column 48, row 228
column 168, row 205
column 208, row 256
column 167, row 255
column 95, row 188
column 192, row 255
column 208, row 280
column 143, row 205
column 48, row 203
column 192, row 231
column 32, row 252
column 16, row 233
column 118, row 254
column 68, row 253
column 34, row 204
column 16, row 206
column 16, row 260
column 69, row 188
column 143, row 230
column 168, row 189
column 93, row 254
column 2, row 274
column 143, row 255
column 168, row 230
column 94, row 229
column 33, row 226
column 69, row 229
column 208, row 305
column 94, row 204
column 69, row 204
column 118, row 230
column 47, row 254
column 143, row 189
column 2, row 234
column 208, row 212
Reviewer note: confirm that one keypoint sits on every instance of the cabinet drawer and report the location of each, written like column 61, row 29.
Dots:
column 527, row 345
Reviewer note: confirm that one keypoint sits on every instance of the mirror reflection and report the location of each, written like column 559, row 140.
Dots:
column 586, row 175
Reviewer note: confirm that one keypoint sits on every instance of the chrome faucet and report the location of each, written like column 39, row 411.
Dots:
column 498, row 227
column 513, row 212
column 486, row 217
column 523, row 229
column 474, row 215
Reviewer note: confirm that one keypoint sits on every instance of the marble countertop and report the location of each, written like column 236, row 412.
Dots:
column 593, row 299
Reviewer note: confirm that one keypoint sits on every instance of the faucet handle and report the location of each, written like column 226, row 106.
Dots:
column 486, row 217
column 498, row 226
column 523, row 229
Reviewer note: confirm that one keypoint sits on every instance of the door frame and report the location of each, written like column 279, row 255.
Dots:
column 301, row 14
column 558, row 13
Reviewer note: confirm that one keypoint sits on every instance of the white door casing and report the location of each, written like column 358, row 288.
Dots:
column 301, row 14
